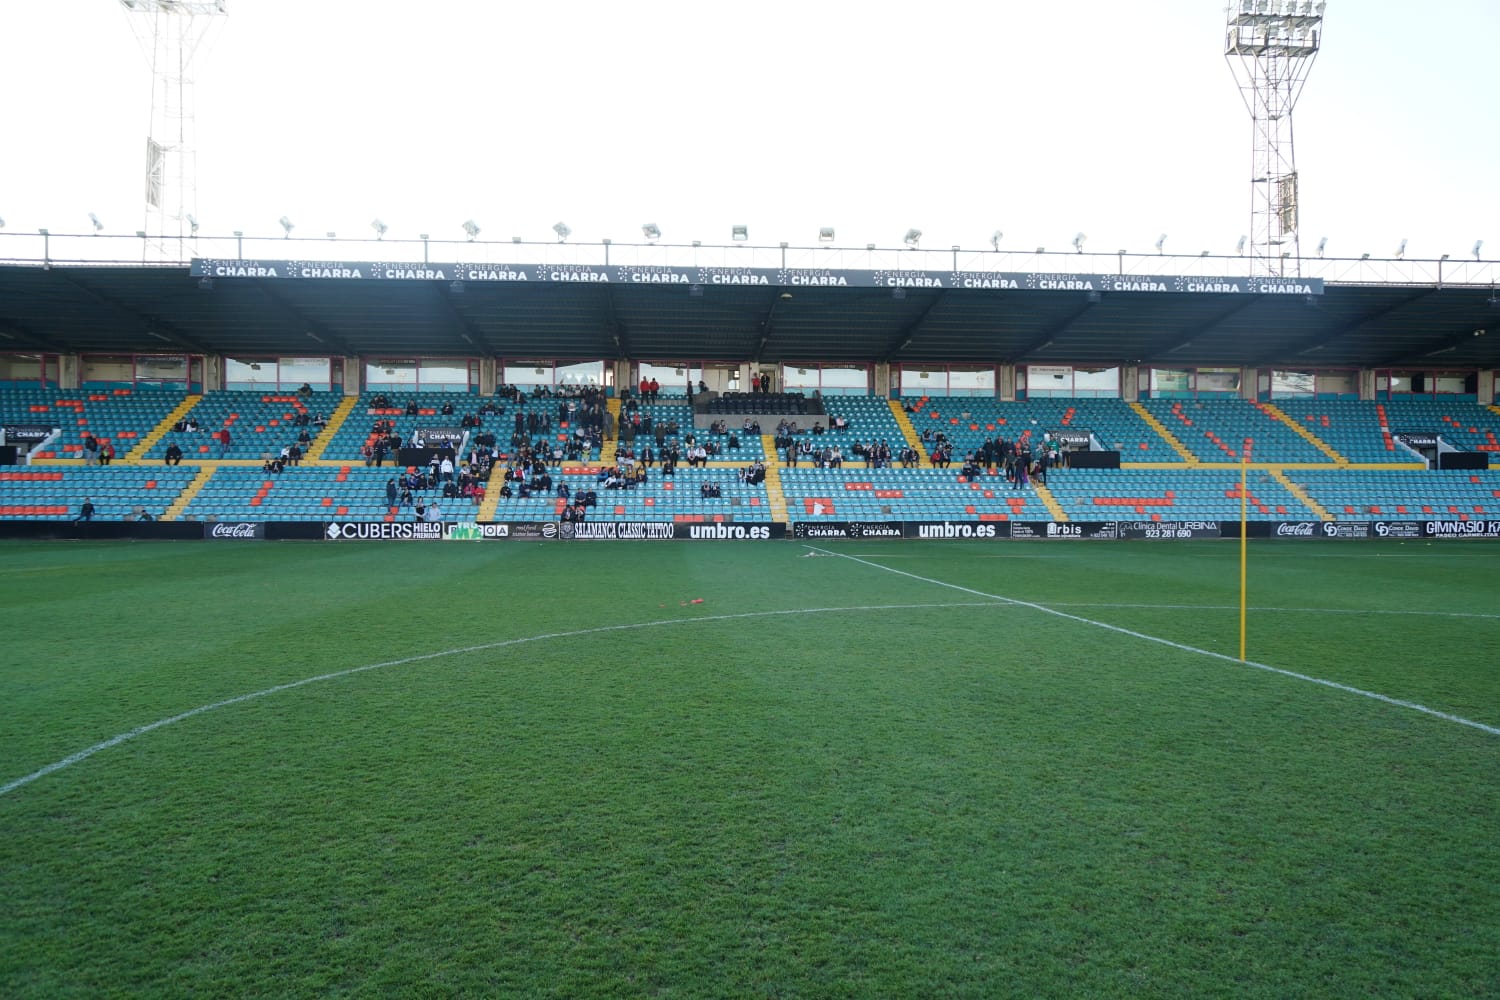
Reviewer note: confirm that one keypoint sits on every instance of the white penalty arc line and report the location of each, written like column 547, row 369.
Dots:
column 1348, row 689
column 124, row 737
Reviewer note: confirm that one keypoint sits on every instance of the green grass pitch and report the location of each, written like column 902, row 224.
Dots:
column 863, row 774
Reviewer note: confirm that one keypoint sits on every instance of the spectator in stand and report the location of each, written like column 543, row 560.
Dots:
column 174, row 454
column 224, row 442
column 90, row 450
column 85, row 511
column 655, row 390
column 106, row 451
column 390, row 493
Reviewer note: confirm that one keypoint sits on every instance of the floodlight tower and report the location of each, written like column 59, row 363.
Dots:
column 1270, row 46
column 170, row 32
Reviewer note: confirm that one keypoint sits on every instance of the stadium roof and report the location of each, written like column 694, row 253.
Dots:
column 149, row 309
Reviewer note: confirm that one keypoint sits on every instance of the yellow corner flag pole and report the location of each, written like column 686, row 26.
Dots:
column 1244, row 548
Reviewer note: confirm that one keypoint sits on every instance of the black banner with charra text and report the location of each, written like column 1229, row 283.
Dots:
column 687, row 276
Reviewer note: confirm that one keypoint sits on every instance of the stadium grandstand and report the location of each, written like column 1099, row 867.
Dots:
column 857, row 399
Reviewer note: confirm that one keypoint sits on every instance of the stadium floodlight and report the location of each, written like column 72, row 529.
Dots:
column 1239, row 247
column 471, row 228
column 286, row 226
column 2, row 223
column 825, row 234
column 332, row 235
column 1078, row 242
column 1364, row 256
column 1401, row 250
column 651, row 231
column 192, row 224
column 141, row 233
column 739, row 233
column 380, row 229
column 562, row 231
column 869, row 246
column 1478, row 246
column 99, row 225
column 1161, row 241
column 912, row 238
column 995, row 239
column 1322, row 246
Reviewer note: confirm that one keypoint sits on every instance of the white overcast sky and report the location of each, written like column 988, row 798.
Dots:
column 1119, row 118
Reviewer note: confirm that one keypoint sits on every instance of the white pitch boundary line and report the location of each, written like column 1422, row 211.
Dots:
column 1387, row 699
column 115, row 741
column 1288, row 611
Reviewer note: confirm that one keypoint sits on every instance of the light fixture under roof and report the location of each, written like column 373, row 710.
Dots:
column 192, row 224
column 739, row 233
column 471, row 228
column 98, row 226
column 825, row 234
column 1239, row 247
column 1401, row 250
column 1161, row 241
column 562, row 231
column 995, row 239
column 286, row 226
column 380, row 229
column 1078, row 242
column 1478, row 246
column 651, row 231
column 1322, row 246
column 912, row 238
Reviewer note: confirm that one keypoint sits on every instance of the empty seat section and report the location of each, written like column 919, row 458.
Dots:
column 1399, row 495
column 904, row 494
column 1171, row 495
column 123, row 416
column 55, row 492
column 1215, row 430
column 259, row 423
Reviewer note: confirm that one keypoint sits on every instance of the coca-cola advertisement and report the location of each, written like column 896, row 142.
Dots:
column 234, row 531
column 1297, row 529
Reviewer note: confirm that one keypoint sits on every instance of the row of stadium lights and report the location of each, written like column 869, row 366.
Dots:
column 740, row 234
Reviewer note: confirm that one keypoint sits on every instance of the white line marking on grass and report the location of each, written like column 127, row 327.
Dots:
column 1289, row 611
column 1387, row 699
column 115, row 741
